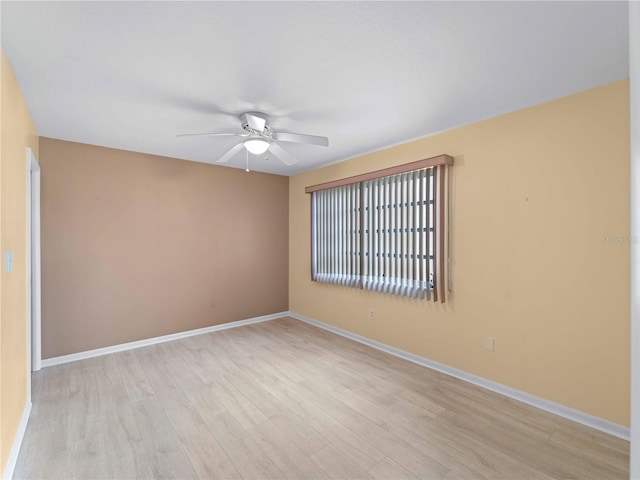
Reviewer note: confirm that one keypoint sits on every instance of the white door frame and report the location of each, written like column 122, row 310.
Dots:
column 634, row 80
column 33, row 266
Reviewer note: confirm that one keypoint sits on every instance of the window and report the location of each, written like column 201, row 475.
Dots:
column 385, row 231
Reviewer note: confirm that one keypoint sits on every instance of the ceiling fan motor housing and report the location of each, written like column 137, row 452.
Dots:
column 255, row 123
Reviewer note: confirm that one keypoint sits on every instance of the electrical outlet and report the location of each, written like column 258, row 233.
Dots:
column 489, row 344
column 372, row 314
column 212, row 304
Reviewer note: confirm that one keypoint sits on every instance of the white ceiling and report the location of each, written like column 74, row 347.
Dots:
column 367, row 75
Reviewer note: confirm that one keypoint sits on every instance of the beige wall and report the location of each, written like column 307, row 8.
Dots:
column 136, row 246
column 17, row 133
column 536, row 194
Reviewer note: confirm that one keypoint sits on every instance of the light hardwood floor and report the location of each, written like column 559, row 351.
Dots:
column 283, row 399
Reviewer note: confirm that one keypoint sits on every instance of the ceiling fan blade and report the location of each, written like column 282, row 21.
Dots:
column 282, row 154
column 301, row 138
column 256, row 123
column 231, row 153
column 211, row 135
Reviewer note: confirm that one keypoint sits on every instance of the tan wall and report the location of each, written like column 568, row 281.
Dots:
column 535, row 196
column 17, row 133
column 136, row 246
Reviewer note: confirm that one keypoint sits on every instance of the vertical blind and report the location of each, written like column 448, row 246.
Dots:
column 386, row 234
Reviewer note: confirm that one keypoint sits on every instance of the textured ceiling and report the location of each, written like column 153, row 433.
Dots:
column 367, row 75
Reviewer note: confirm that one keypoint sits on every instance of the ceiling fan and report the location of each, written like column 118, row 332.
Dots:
column 258, row 138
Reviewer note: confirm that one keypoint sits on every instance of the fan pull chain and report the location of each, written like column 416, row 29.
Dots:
column 247, row 169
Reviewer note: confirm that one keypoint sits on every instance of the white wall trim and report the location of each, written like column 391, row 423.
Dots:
column 546, row 405
column 634, row 104
column 49, row 362
column 33, row 266
column 17, row 443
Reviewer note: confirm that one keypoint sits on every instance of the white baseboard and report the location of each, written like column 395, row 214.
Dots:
column 49, row 362
column 546, row 405
column 17, row 442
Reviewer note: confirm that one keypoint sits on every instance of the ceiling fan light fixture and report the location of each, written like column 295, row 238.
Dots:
column 258, row 137
column 256, row 146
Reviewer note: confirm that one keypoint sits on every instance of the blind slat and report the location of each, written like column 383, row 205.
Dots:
column 434, row 245
column 427, row 226
column 414, row 235
column 372, row 236
column 320, row 214
column 358, row 234
column 396, row 236
column 343, row 270
column 403, row 236
column 380, row 256
column 379, row 281
column 314, row 240
column 349, row 236
column 336, row 234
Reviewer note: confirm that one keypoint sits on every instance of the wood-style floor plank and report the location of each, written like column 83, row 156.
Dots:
column 337, row 465
column 285, row 400
column 387, row 469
